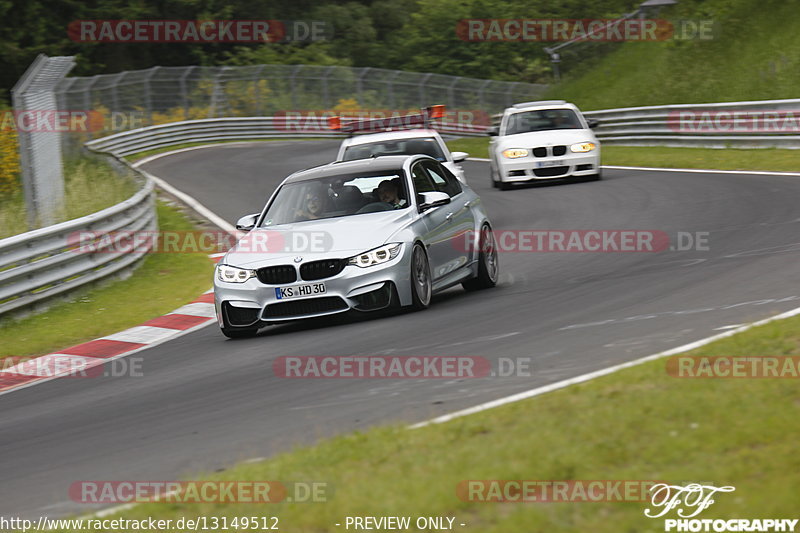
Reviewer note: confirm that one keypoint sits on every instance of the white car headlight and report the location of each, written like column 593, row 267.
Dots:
column 514, row 153
column 582, row 147
column 385, row 253
column 232, row 274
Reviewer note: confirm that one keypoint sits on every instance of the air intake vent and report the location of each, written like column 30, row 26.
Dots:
column 277, row 275
column 322, row 269
column 306, row 307
column 550, row 172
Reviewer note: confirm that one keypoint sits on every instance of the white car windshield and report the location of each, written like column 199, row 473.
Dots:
column 418, row 145
column 337, row 196
column 542, row 120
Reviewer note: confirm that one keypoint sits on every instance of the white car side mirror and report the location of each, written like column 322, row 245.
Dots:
column 459, row 156
column 247, row 223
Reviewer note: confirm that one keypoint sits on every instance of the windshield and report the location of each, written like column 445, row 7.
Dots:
column 542, row 120
column 337, row 196
column 425, row 145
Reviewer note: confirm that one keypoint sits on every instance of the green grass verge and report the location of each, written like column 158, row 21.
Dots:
column 89, row 186
column 729, row 159
column 645, row 156
column 161, row 284
column 474, row 146
column 637, row 424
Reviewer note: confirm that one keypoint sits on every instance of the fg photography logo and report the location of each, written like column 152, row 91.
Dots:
column 689, row 501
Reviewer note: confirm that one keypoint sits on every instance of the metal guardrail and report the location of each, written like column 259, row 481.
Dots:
column 228, row 129
column 663, row 126
column 43, row 263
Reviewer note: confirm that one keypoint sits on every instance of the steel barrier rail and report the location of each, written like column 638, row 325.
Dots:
column 664, row 125
column 235, row 128
column 43, row 263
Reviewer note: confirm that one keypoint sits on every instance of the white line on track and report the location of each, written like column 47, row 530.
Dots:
column 598, row 373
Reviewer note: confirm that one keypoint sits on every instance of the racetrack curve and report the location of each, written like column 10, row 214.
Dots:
column 205, row 402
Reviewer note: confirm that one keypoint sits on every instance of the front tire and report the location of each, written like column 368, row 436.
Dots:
column 488, row 265
column 421, row 285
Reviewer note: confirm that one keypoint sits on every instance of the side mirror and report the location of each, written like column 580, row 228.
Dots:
column 429, row 200
column 493, row 131
column 592, row 122
column 246, row 223
column 459, row 156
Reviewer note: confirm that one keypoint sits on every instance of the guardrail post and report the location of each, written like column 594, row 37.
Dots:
column 481, row 101
column 40, row 151
column 360, row 84
column 257, row 90
column 325, row 95
column 390, row 89
column 148, row 97
column 451, row 94
column 422, row 89
column 184, row 92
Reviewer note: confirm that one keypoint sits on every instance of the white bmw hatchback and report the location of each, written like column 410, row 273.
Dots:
column 403, row 142
column 543, row 141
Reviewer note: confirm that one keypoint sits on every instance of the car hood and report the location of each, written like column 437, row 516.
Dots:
column 533, row 139
column 317, row 239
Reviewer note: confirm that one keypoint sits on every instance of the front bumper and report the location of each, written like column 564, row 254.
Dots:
column 528, row 168
column 354, row 288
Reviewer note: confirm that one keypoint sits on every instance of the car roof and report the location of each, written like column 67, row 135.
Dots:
column 389, row 136
column 543, row 104
column 385, row 163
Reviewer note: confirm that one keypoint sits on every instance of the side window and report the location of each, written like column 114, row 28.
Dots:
column 443, row 179
column 422, row 182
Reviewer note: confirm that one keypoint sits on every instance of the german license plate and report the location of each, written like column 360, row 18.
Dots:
column 299, row 291
column 545, row 164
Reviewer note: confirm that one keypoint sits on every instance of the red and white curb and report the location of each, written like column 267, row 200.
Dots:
column 74, row 361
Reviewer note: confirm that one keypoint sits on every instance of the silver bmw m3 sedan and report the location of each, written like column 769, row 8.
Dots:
column 361, row 235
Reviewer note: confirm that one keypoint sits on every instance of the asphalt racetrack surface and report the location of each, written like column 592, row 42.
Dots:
column 206, row 402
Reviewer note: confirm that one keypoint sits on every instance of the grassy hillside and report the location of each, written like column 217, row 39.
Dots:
column 755, row 55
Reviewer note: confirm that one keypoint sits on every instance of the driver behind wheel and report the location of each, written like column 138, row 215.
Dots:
column 387, row 192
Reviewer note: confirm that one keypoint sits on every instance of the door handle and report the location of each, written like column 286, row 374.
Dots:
column 449, row 217
column 468, row 203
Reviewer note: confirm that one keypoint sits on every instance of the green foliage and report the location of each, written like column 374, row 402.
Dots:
column 395, row 34
column 754, row 55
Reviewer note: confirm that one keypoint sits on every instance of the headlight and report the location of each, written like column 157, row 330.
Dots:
column 582, row 147
column 385, row 253
column 233, row 274
column 513, row 153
